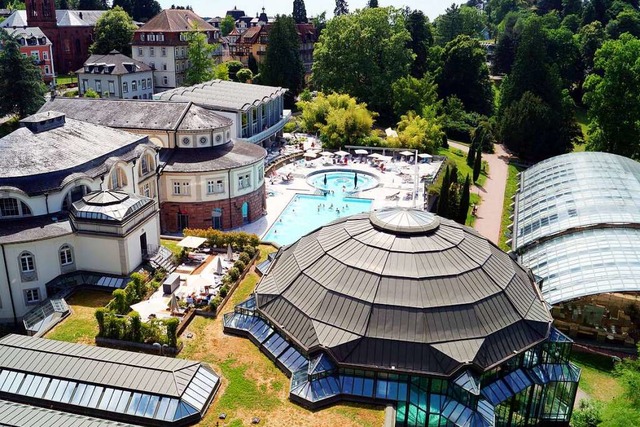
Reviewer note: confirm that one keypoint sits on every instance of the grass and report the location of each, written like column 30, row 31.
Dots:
column 81, row 325
column 460, row 159
column 66, row 79
column 597, row 379
column 510, row 189
column 172, row 245
column 583, row 121
column 474, row 199
column 252, row 385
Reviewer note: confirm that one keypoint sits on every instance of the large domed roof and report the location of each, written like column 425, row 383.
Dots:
column 403, row 290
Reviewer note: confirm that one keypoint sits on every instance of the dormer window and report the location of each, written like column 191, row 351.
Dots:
column 142, row 36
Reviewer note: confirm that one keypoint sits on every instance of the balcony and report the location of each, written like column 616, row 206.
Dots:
column 267, row 133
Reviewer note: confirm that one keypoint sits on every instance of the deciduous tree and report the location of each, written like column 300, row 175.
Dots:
column 114, row 31
column 299, row 12
column 410, row 93
column 199, row 51
column 21, row 88
column 227, row 25
column 421, row 40
column 417, row 133
column 342, row 8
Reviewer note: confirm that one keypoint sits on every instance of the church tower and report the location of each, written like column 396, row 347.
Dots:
column 41, row 13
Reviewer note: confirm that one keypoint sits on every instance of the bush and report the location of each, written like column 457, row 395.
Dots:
column 215, row 303
column 135, row 327
column 588, row 414
column 244, row 257
column 90, row 93
column 119, row 302
column 234, row 274
column 71, row 93
column 172, row 331
column 290, row 126
column 220, row 239
column 224, row 291
column 244, row 75
column 100, row 315
column 250, row 250
column 240, row 265
column 159, row 275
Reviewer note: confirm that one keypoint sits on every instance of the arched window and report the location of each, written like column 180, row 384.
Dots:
column 11, row 207
column 75, row 194
column 147, row 164
column 66, row 255
column 117, row 179
column 27, row 264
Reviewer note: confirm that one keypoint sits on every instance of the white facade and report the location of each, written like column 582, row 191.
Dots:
column 127, row 86
column 169, row 63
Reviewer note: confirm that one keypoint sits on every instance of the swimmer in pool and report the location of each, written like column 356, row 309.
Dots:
column 337, row 211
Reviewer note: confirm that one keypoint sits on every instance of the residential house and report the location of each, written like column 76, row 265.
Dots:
column 162, row 44
column 116, row 76
column 35, row 44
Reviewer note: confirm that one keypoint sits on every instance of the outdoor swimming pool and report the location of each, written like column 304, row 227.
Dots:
column 305, row 213
column 342, row 181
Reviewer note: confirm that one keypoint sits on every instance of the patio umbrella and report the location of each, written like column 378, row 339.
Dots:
column 355, row 180
column 174, row 308
column 191, row 242
column 326, row 153
column 374, row 155
column 219, row 267
column 361, row 151
column 229, row 253
column 406, row 153
column 325, row 179
column 425, row 156
column 310, row 154
column 341, row 153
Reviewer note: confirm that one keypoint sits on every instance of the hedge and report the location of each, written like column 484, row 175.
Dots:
column 220, row 239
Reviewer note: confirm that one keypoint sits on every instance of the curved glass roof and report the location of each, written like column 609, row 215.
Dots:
column 401, row 290
column 587, row 262
column 113, row 206
column 575, row 190
column 113, row 384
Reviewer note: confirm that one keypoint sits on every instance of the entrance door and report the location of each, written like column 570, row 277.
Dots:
column 143, row 245
column 183, row 222
column 245, row 213
column 216, row 218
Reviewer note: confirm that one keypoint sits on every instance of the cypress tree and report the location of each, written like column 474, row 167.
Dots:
column 443, row 200
column 453, row 176
column 471, row 155
column 372, row 3
column 342, row 8
column 299, row 12
column 465, row 197
column 477, row 165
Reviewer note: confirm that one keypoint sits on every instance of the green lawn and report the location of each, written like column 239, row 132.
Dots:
column 510, row 189
column 66, row 79
column 81, row 326
column 583, row 121
column 172, row 245
column 460, row 160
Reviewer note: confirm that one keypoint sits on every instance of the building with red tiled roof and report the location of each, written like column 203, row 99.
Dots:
column 161, row 44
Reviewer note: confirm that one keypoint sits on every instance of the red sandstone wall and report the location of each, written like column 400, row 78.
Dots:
column 200, row 212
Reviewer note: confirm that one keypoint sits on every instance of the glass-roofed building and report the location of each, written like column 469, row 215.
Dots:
column 101, row 383
column 402, row 307
column 576, row 225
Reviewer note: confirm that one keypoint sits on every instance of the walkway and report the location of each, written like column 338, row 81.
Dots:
column 489, row 216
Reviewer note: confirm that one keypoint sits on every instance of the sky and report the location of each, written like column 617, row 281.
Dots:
column 211, row 8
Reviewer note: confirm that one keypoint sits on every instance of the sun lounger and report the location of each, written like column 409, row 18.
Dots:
column 394, row 196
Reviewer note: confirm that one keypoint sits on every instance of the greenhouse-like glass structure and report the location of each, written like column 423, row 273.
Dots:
column 403, row 307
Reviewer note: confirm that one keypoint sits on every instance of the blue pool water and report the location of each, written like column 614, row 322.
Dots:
column 302, row 216
column 342, row 181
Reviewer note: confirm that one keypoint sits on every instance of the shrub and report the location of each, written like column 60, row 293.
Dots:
column 224, row 291
column 159, row 275
column 90, row 93
column 220, row 239
column 250, row 250
column 233, row 273
column 135, row 327
column 100, row 314
column 240, row 265
column 245, row 258
column 71, row 93
column 172, row 331
column 215, row 303
column 290, row 126
column 119, row 302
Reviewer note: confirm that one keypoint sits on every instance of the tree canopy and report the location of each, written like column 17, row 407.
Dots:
column 21, row 88
column 139, row 10
column 421, row 40
column 114, row 30
column 612, row 94
column 342, row 8
column 362, row 54
column 227, row 25
column 409, row 93
column 299, row 12
column 201, row 65
column 417, row 133
column 282, row 65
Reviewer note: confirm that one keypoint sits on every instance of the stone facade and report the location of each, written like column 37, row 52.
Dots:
column 200, row 213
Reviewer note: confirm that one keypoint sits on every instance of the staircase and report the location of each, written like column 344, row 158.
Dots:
column 162, row 258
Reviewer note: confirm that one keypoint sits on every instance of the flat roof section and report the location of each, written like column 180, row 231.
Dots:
column 105, row 383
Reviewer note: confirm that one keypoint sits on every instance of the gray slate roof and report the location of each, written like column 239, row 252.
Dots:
column 403, row 290
column 132, row 114
column 223, row 95
column 98, row 365
column 112, row 206
column 27, row 33
column 20, row 415
column 65, row 18
column 34, row 228
column 232, row 155
column 113, row 64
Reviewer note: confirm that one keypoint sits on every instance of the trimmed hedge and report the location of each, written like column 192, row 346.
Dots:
column 220, row 239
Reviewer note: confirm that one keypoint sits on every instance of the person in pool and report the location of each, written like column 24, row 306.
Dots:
column 337, row 211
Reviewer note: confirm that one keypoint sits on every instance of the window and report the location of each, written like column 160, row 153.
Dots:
column 32, row 296
column 149, row 83
column 99, row 86
column 46, row 69
column 186, row 140
column 152, row 65
column 66, row 257
column 35, row 55
column 160, row 37
column 215, row 186
column 125, row 87
column 140, row 52
column 10, row 207
column 203, row 140
column 165, row 80
column 152, row 51
column 144, row 84
column 151, row 37
column 244, row 181
column 146, row 164
column 181, row 188
column 142, row 36
column 163, row 50
column 117, row 179
column 112, row 87
column 164, row 66
column 45, row 55
column 27, row 263
column 218, row 138
column 260, row 173
column 85, row 83
column 134, row 86
column 146, row 190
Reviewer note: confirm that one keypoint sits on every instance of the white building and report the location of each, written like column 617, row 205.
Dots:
column 116, row 76
column 69, row 208
column 161, row 43
column 257, row 111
